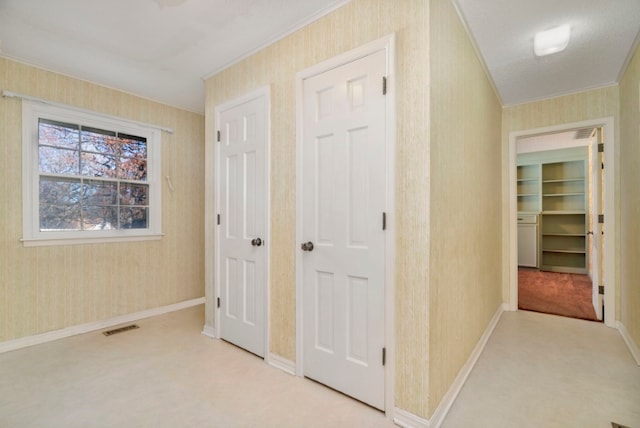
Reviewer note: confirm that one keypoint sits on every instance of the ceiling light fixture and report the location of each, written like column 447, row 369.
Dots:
column 551, row 41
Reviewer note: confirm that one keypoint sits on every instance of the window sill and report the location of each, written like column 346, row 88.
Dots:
column 45, row 242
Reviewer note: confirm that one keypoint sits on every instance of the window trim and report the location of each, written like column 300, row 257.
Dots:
column 32, row 111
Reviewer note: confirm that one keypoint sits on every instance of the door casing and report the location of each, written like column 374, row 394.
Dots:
column 264, row 92
column 388, row 45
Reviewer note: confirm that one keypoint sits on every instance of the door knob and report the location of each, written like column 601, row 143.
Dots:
column 256, row 242
column 307, row 246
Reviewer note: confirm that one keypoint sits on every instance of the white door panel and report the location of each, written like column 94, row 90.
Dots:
column 343, row 185
column 596, row 238
column 243, row 211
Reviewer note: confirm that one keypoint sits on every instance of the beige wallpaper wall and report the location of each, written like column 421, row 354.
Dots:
column 465, row 273
column 353, row 25
column 594, row 104
column 49, row 288
column 465, row 162
column 630, row 198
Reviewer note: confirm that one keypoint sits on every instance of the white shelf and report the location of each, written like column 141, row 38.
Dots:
column 564, row 180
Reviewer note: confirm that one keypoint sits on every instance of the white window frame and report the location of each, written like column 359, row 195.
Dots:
column 32, row 111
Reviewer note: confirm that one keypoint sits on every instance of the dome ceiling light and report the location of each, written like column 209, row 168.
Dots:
column 551, row 41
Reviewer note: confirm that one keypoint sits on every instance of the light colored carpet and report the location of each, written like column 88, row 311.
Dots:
column 536, row 371
column 547, row 371
column 165, row 374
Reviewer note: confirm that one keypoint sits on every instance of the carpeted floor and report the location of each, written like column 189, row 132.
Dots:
column 565, row 294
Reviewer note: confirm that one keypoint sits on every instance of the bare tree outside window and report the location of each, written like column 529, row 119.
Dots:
column 91, row 179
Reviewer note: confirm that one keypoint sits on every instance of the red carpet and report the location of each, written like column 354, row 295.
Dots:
column 565, row 294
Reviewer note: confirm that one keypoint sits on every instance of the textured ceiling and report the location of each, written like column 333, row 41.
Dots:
column 603, row 33
column 162, row 49
column 159, row 49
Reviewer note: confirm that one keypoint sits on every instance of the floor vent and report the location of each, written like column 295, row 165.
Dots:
column 120, row 330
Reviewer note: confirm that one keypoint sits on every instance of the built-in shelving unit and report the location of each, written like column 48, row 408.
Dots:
column 553, row 186
column 563, row 237
column 528, row 188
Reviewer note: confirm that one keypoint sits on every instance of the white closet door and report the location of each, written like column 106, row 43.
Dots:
column 343, row 174
column 243, row 216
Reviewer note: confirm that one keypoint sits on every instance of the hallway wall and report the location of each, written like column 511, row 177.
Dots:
column 465, row 274
column 630, row 198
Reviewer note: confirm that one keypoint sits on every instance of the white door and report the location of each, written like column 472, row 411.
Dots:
column 596, row 238
column 242, row 203
column 343, row 200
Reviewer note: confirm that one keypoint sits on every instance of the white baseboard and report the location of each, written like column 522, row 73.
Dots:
column 209, row 331
column 408, row 420
column 633, row 347
column 50, row 336
column 447, row 401
column 283, row 364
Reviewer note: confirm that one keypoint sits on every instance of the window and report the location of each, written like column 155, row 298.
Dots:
column 88, row 178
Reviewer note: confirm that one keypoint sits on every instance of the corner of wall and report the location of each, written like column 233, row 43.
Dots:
column 631, row 344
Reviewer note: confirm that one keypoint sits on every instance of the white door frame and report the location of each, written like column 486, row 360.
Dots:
column 212, row 217
column 388, row 45
column 609, row 209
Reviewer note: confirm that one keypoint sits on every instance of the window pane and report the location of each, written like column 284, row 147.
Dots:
column 59, row 191
column 59, row 134
column 59, row 217
column 132, row 147
column 133, row 169
column 59, row 204
column 99, row 217
column 133, row 218
column 100, row 141
column 58, row 161
column 134, row 194
column 99, row 193
column 95, row 165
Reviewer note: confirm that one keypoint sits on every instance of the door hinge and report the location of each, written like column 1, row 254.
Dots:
column 601, row 218
column 384, row 221
column 602, row 165
column 218, row 220
column 600, row 147
column 384, row 356
column 218, row 302
column 384, row 85
column 218, row 136
column 601, row 289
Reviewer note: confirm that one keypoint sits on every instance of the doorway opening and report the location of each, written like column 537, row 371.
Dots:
column 557, row 194
column 560, row 260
